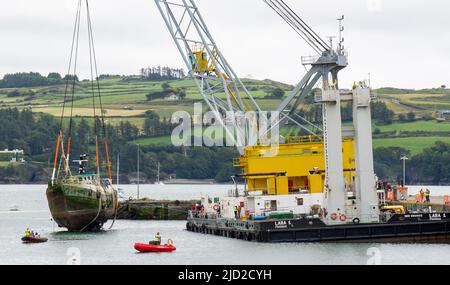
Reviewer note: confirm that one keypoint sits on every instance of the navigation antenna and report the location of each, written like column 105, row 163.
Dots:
column 341, row 29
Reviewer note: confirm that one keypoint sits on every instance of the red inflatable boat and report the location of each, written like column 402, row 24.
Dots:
column 143, row 247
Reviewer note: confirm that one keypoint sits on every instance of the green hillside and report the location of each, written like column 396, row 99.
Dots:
column 414, row 144
column 125, row 99
column 418, row 101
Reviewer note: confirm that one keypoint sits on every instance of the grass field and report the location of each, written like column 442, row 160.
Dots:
column 417, row 102
column 88, row 112
column 212, row 133
column 429, row 126
column 118, row 93
column 126, row 101
column 414, row 144
column 164, row 140
column 5, row 163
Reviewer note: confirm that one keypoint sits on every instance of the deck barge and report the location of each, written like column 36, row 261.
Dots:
column 400, row 228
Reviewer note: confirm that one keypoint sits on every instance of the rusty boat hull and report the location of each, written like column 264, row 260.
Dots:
column 80, row 205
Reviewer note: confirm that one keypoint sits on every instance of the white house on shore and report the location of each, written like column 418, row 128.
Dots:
column 15, row 155
column 443, row 115
column 172, row 97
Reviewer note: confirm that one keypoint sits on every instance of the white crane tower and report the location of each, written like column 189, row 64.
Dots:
column 325, row 66
column 214, row 76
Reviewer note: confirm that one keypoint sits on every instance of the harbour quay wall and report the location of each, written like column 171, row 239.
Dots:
column 146, row 209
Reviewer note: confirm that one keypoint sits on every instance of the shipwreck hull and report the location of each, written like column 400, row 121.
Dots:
column 79, row 208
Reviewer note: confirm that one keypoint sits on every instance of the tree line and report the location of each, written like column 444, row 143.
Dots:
column 32, row 79
column 161, row 73
column 36, row 134
column 431, row 166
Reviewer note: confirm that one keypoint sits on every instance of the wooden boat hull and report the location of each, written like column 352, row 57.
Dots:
column 80, row 208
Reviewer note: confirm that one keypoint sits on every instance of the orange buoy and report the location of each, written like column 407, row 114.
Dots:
column 418, row 198
column 446, row 200
column 391, row 195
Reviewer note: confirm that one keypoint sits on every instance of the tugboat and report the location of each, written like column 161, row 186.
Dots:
column 82, row 202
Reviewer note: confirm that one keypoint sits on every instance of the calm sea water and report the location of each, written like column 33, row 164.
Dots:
column 116, row 246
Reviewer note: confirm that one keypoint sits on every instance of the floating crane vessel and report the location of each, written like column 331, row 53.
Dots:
column 321, row 187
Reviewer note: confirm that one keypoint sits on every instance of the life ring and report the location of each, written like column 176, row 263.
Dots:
column 356, row 220
column 343, row 218
column 170, row 242
column 334, row 216
column 216, row 207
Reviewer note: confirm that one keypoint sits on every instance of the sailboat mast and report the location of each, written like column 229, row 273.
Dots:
column 158, row 172
column 138, row 178
column 118, row 169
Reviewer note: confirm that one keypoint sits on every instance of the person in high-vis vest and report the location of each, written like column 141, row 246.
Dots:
column 422, row 195
column 427, row 195
column 158, row 238
column 236, row 213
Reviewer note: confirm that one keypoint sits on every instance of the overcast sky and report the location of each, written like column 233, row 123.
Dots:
column 401, row 43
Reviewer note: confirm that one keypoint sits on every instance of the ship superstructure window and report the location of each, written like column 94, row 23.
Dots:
column 299, row 201
column 273, row 205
